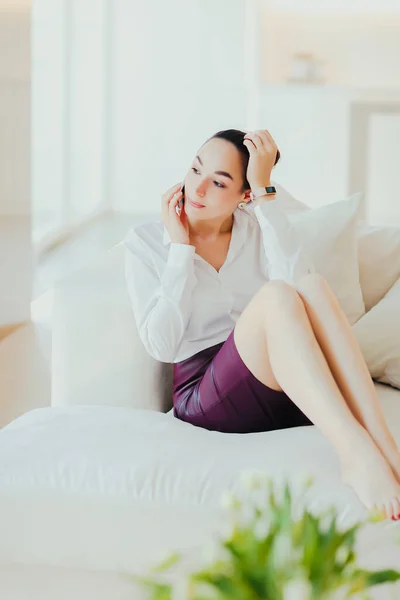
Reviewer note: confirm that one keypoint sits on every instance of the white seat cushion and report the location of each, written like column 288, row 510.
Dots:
column 113, row 488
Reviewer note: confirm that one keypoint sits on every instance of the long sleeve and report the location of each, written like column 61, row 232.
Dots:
column 161, row 307
column 286, row 254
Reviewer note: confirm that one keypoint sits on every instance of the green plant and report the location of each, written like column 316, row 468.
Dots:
column 271, row 554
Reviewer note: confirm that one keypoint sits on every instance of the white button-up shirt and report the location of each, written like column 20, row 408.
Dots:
column 181, row 304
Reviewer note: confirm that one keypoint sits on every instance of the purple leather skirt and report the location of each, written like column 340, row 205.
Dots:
column 214, row 389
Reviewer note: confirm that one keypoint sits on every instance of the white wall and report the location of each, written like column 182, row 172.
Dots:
column 169, row 94
column 16, row 255
column 335, row 7
column 125, row 92
column 383, row 174
column 311, row 127
column 178, row 76
column 70, row 145
column 314, row 125
column 14, row 112
column 49, row 111
column 354, row 50
column 322, row 146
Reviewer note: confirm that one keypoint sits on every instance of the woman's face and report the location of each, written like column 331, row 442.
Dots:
column 215, row 180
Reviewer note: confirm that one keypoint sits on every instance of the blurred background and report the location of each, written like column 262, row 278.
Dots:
column 104, row 103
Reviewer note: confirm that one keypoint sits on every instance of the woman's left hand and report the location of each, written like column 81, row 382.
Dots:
column 263, row 152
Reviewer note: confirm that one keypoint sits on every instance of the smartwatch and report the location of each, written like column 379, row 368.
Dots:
column 262, row 191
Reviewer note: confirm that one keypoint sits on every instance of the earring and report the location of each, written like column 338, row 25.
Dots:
column 242, row 205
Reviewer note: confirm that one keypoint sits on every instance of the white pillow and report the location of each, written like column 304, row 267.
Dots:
column 379, row 260
column 330, row 236
column 289, row 202
column 97, row 354
column 378, row 333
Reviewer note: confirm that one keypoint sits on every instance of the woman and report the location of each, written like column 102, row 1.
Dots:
column 222, row 289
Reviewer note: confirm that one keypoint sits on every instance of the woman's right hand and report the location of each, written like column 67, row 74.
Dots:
column 177, row 226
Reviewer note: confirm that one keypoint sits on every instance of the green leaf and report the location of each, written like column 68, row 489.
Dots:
column 225, row 584
column 378, row 577
column 159, row 591
column 167, row 563
column 257, row 563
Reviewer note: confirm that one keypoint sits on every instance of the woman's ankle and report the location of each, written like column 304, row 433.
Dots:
column 355, row 443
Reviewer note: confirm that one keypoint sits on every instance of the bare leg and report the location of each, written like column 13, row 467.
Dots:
column 346, row 362
column 300, row 369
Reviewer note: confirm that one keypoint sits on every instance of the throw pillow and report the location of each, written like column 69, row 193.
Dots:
column 379, row 261
column 330, row 237
column 378, row 333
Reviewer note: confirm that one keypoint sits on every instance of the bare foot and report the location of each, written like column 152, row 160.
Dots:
column 390, row 451
column 386, row 443
column 371, row 477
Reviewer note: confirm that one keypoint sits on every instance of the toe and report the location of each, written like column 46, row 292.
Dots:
column 396, row 508
column 388, row 510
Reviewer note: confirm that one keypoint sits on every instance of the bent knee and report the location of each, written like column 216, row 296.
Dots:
column 313, row 283
column 278, row 292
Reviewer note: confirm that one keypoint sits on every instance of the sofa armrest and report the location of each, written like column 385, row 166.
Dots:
column 97, row 355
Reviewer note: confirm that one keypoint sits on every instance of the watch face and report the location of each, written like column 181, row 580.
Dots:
column 262, row 191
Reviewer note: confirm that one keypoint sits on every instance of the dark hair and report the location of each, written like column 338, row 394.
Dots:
column 236, row 137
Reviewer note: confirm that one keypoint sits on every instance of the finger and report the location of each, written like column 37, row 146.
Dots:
column 175, row 197
column 178, row 206
column 177, row 186
column 166, row 199
column 174, row 200
column 252, row 136
column 267, row 141
column 270, row 143
column 250, row 145
column 271, row 139
column 169, row 193
column 170, row 199
column 259, row 140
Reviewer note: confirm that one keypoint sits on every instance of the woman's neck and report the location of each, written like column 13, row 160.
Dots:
column 210, row 230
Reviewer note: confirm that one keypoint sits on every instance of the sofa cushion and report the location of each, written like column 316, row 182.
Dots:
column 330, row 237
column 378, row 333
column 378, row 254
column 379, row 260
column 97, row 355
column 111, row 488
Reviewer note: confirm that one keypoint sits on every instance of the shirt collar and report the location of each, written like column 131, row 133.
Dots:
column 239, row 230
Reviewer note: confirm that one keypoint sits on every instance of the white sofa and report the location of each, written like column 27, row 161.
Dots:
column 91, row 489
